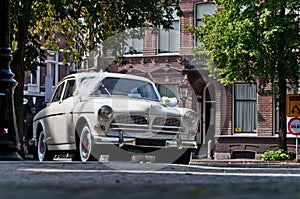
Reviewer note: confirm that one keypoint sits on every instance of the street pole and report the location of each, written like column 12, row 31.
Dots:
column 9, row 139
column 296, row 148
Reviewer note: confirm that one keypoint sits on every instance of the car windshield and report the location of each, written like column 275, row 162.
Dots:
column 125, row 86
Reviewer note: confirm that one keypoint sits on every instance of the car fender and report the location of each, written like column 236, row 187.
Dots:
column 37, row 126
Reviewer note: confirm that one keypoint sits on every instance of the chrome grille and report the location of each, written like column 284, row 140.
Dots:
column 132, row 119
column 166, row 124
column 166, row 121
column 129, row 122
column 140, row 123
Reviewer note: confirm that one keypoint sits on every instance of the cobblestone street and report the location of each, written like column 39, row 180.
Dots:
column 29, row 179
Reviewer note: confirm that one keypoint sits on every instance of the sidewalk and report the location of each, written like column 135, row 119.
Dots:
column 245, row 163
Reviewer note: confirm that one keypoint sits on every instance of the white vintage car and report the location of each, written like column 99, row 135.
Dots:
column 90, row 110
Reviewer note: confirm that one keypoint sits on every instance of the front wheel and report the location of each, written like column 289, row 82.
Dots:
column 85, row 144
column 42, row 151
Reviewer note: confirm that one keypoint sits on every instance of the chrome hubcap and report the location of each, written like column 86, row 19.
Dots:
column 85, row 144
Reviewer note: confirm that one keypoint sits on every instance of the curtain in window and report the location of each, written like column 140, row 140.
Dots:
column 168, row 90
column 246, row 107
column 163, row 41
column 134, row 46
column 174, row 37
column 169, row 39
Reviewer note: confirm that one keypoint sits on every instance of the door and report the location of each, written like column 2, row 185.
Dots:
column 209, row 114
column 63, row 127
column 53, row 111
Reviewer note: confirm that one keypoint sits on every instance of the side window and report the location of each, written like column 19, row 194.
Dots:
column 70, row 87
column 146, row 91
column 58, row 93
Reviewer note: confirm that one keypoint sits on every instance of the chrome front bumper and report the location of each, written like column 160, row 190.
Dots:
column 168, row 143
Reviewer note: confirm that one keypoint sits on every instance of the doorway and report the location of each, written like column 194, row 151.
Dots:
column 209, row 107
column 206, row 109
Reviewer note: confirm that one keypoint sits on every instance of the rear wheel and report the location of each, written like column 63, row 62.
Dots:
column 42, row 150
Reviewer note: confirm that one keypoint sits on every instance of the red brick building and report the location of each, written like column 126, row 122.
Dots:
column 237, row 121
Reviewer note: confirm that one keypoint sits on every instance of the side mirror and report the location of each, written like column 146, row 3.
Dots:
column 75, row 92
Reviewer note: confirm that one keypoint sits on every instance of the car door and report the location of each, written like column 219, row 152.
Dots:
column 53, row 112
column 63, row 126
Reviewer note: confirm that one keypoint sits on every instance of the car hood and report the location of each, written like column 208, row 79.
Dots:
column 124, row 104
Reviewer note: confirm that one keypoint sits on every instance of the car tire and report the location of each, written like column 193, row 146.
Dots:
column 43, row 154
column 85, row 145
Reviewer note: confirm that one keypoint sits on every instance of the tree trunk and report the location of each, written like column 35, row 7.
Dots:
column 18, row 69
column 282, row 113
column 282, row 88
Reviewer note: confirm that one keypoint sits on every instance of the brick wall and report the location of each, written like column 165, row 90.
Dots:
column 265, row 115
column 150, row 43
column 186, row 38
column 227, row 127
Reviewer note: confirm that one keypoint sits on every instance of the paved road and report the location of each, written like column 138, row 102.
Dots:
column 30, row 179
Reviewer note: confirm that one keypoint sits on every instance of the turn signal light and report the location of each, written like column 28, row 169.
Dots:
column 97, row 128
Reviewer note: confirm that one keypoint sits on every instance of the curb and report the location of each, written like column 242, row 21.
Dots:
column 245, row 163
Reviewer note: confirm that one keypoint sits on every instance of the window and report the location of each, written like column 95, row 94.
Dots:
column 245, row 108
column 128, row 87
column 53, row 74
column 169, row 40
column 58, row 93
column 201, row 10
column 53, row 66
column 69, row 89
column 32, row 78
column 134, row 46
column 168, row 90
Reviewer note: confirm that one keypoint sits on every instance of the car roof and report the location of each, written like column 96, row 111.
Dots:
column 104, row 74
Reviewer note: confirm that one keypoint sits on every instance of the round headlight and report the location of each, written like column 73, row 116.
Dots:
column 105, row 113
column 190, row 117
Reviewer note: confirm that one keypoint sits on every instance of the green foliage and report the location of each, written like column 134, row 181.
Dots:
column 83, row 22
column 278, row 155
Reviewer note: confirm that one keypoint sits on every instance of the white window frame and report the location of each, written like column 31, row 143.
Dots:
column 37, row 77
column 199, row 15
column 34, row 86
column 245, row 110
column 133, row 43
column 53, row 67
column 172, row 36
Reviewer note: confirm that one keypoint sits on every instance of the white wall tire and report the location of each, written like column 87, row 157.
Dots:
column 42, row 150
column 85, row 144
